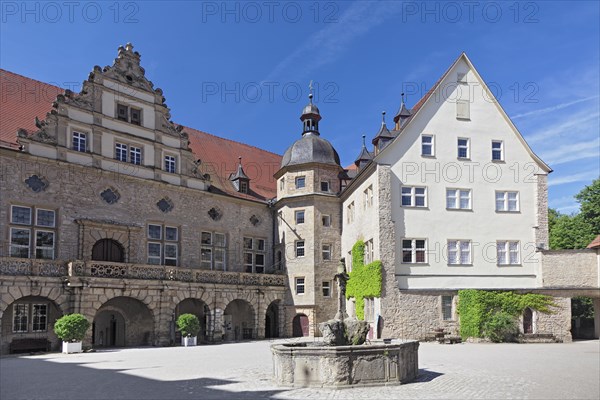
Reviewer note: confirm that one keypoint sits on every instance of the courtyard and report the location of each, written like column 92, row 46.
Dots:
column 243, row 371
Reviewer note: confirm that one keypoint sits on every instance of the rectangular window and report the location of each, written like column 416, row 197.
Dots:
column 463, row 109
column 463, row 148
column 135, row 155
column 447, row 308
column 369, row 309
column 508, row 253
column 20, row 317
column 79, row 142
column 20, row 215
column 300, row 182
column 458, row 199
column 427, row 148
column 299, row 285
column 163, row 247
column 206, row 257
column 369, row 252
column 413, row 196
column 254, row 255
column 121, row 152
column 299, row 217
column 40, row 317
column 324, row 186
column 44, row 244
column 459, row 252
column 282, row 184
column 122, row 112
column 368, row 196
column 170, row 164
column 414, row 251
column 507, row 201
column 326, row 219
column 22, row 244
column 300, row 248
column 326, row 287
column 350, row 213
column 136, row 116
column 497, row 150
column 326, row 252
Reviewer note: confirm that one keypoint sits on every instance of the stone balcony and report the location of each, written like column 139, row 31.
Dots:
column 103, row 269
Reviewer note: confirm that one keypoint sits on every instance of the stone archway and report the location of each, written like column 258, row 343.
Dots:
column 239, row 321
column 272, row 320
column 201, row 310
column 29, row 317
column 300, row 325
column 527, row 321
column 123, row 321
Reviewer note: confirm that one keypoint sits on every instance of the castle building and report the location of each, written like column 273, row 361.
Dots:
column 112, row 210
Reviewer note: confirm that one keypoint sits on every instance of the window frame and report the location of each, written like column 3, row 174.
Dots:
column 458, row 251
column 506, row 201
column 298, row 285
column 431, row 145
column 466, row 147
column 299, row 179
column 163, row 241
column 457, row 195
column 299, row 216
column 326, row 248
column 25, row 315
column 257, row 248
column 414, row 251
column 413, row 196
column 326, row 217
column 32, row 226
column 77, row 139
column 328, row 187
column 506, row 244
column 501, row 150
column 447, row 307
column 298, row 247
column 170, row 163
column 326, row 286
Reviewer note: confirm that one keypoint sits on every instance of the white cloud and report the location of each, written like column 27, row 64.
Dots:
column 582, row 121
column 553, row 108
column 571, row 152
column 579, row 177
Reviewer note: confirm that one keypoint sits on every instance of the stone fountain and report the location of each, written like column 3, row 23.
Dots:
column 344, row 357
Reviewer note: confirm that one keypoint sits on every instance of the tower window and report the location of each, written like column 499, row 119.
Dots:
column 300, row 182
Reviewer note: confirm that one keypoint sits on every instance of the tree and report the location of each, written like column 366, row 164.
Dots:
column 578, row 230
column 589, row 200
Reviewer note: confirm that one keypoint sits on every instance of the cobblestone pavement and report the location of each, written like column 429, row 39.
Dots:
column 244, row 370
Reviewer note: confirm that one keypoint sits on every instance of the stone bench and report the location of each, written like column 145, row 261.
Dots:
column 27, row 345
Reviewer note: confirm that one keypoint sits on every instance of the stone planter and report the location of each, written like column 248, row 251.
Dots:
column 188, row 341
column 71, row 347
column 310, row 365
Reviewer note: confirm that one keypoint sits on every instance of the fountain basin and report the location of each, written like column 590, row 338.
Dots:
column 313, row 365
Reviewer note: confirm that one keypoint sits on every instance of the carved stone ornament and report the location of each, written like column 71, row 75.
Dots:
column 254, row 220
column 110, row 195
column 165, row 205
column 215, row 214
column 36, row 183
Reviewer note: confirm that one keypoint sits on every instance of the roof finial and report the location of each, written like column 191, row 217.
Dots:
column 240, row 160
column 310, row 91
column 402, row 94
column 364, row 136
column 383, row 118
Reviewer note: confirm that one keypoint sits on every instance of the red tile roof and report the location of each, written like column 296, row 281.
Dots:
column 595, row 243
column 23, row 99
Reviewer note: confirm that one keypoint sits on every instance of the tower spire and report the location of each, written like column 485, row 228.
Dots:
column 310, row 115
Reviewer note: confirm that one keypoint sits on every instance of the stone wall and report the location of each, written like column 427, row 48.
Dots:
column 570, row 269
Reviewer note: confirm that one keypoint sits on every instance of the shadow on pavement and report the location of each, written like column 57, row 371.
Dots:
column 26, row 378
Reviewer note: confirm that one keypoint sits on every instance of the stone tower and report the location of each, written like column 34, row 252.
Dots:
column 308, row 209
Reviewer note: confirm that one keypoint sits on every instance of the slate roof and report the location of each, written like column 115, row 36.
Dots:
column 24, row 99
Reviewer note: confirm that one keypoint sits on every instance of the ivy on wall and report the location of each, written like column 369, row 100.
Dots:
column 365, row 280
column 477, row 308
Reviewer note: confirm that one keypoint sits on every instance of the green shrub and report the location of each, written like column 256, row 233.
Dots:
column 71, row 327
column 188, row 325
column 501, row 327
column 365, row 280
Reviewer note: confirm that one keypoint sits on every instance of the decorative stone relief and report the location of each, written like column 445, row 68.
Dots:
column 254, row 220
column 165, row 205
column 36, row 183
column 110, row 195
column 215, row 214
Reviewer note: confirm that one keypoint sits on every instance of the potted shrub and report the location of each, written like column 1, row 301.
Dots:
column 71, row 329
column 189, row 326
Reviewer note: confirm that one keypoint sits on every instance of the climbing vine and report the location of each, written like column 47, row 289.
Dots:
column 365, row 280
column 478, row 309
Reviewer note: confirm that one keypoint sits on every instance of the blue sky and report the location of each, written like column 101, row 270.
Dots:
column 241, row 69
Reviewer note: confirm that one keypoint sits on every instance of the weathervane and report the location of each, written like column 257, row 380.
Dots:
column 310, row 90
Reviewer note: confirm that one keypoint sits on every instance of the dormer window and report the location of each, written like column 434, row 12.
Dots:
column 243, row 187
column 129, row 114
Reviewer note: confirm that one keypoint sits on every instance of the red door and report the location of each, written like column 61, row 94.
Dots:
column 300, row 325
